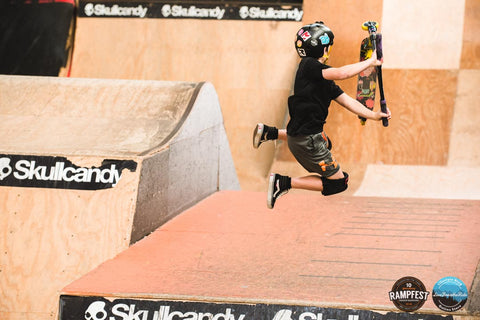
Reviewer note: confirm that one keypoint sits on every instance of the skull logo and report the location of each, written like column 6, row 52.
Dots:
column 5, row 168
column 96, row 311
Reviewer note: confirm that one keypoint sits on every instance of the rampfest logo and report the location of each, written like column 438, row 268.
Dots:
column 408, row 294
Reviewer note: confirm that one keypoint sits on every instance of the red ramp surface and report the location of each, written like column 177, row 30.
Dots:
column 310, row 250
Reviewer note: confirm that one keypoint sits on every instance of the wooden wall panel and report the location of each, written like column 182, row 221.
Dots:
column 423, row 34
column 422, row 104
column 251, row 64
column 422, row 101
column 465, row 133
column 345, row 18
column 471, row 36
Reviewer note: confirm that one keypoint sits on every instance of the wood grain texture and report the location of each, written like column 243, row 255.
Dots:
column 421, row 102
column 89, row 116
column 231, row 247
column 345, row 18
column 465, row 133
column 471, row 36
column 251, row 65
column 49, row 237
column 419, row 132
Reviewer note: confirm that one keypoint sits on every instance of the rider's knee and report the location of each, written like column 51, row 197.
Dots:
column 333, row 186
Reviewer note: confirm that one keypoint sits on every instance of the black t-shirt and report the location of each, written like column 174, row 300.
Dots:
column 312, row 94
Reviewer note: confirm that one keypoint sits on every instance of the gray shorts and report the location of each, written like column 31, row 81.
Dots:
column 312, row 153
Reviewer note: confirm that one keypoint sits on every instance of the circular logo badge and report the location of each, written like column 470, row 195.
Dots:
column 449, row 294
column 166, row 10
column 408, row 294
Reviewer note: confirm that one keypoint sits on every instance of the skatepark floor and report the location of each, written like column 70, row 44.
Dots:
column 337, row 251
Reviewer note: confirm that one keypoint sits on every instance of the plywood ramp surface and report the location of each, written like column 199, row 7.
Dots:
column 251, row 64
column 309, row 250
column 68, row 116
column 56, row 227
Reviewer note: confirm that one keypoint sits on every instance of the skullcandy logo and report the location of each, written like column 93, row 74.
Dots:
column 89, row 9
column 178, row 11
column 270, row 13
column 60, row 173
column 5, row 168
column 286, row 314
column 115, row 10
column 221, row 10
column 97, row 310
column 283, row 314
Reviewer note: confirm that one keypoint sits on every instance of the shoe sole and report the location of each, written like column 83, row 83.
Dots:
column 271, row 186
column 257, row 135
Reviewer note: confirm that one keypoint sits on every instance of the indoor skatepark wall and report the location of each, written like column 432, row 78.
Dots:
column 90, row 166
column 429, row 87
column 252, row 64
column 422, row 76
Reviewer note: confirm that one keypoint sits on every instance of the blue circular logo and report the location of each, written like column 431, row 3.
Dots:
column 449, row 294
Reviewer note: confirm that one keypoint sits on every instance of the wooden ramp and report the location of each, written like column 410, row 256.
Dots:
column 89, row 166
column 230, row 257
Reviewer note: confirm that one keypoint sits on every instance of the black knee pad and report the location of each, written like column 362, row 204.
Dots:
column 332, row 186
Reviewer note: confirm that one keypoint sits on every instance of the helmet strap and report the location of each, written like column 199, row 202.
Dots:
column 326, row 54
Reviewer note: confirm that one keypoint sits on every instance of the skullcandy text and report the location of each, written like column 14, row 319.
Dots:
column 192, row 12
column 270, row 13
column 115, row 10
column 60, row 173
column 198, row 9
column 99, row 308
column 29, row 170
column 122, row 311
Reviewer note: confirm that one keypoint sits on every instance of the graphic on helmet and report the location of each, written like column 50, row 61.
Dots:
column 312, row 40
column 324, row 39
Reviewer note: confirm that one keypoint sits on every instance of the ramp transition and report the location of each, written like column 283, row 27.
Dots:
column 312, row 257
column 89, row 166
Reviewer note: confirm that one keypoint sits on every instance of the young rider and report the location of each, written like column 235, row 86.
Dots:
column 314, row 89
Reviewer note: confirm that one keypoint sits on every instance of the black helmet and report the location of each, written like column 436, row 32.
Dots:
column 312, row 39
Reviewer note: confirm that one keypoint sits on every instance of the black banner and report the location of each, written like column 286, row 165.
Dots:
column 217, row 10
column 97, row 308
column 60, row 173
